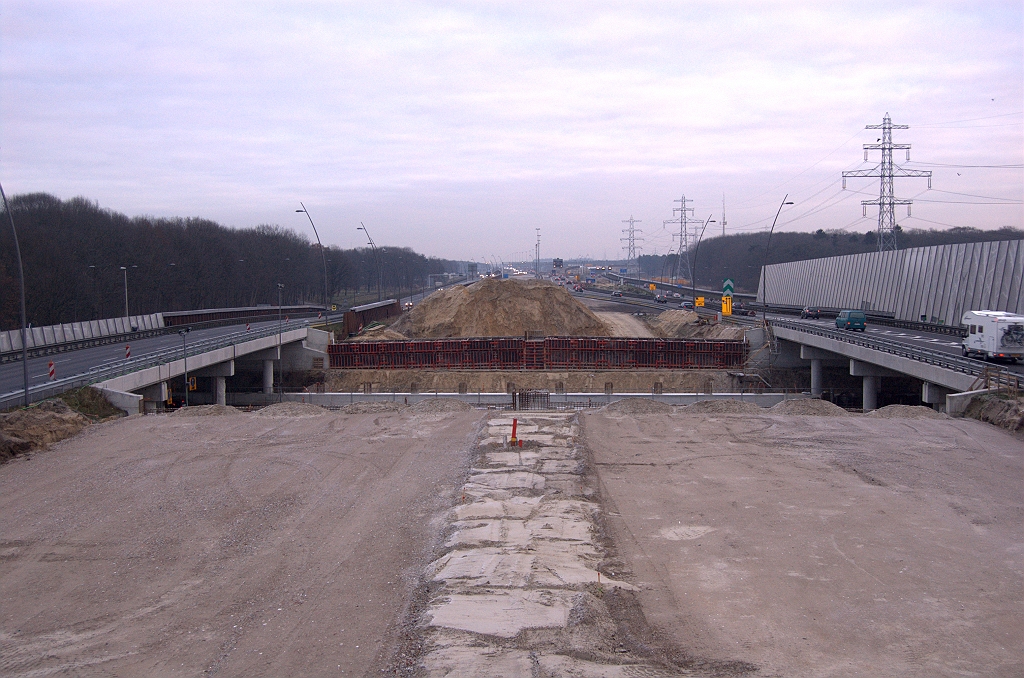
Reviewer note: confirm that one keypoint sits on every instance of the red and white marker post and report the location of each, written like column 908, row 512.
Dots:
column 246, row 327
column 52, row 371
column 127, row 351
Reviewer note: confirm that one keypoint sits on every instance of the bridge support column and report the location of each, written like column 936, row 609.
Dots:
column 818, row 358
column 935, row 395
column 816, row 378
column 870, row 397
column 268, row 376
column 872, row 381
column 220, row 389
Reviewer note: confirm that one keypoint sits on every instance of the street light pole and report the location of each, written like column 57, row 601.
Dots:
column 125, row 269
column 376, row 257
column 21, row 280
column 184, row 357
column 693, row 273
column 323, row 257
column 280, row 327
column 764, row 266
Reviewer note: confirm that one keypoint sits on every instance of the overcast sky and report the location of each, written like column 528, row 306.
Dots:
column 457, row 129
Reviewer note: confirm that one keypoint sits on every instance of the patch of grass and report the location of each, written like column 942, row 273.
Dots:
column 90, row 402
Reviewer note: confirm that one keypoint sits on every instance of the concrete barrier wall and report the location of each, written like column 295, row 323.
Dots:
column 129, row 402
column 923, row 284
column 54, row 335
column 956, row 403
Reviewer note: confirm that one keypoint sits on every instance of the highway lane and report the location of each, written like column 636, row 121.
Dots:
column 73, row 363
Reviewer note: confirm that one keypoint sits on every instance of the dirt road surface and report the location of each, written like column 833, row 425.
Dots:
column 822, row 546
column 236, row 545
column 624, row 325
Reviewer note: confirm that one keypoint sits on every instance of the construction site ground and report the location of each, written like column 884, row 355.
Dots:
column 410, row 541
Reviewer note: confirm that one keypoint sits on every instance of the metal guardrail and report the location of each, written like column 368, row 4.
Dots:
column 147, row 360
column 946, row 361
column 874, row 318
column 36, row 352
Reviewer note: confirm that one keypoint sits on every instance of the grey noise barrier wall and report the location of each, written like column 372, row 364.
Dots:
column 924, row 284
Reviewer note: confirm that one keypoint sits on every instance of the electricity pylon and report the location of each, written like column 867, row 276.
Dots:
column 886, row 171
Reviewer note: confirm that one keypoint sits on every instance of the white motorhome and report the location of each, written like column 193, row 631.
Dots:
column 994, row 334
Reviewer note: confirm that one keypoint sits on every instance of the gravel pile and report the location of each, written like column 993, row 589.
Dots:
column 722, row 407
column 291, row 410
column 905, row 412
column 372, row 408
column 204, row 411
column 809, row 406
column 638, row 406
column 441, row 405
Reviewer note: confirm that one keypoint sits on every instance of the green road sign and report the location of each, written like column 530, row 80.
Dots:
column 727, row 287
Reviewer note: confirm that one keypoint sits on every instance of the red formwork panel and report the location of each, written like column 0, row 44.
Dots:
column 553, row 353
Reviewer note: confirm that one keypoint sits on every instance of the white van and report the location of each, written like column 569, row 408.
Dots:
column 993, row 334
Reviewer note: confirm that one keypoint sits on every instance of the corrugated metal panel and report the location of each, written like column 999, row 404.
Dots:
column 940, row 282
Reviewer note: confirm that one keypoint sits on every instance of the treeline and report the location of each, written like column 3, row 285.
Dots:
column 73, row 252
column 741, row 256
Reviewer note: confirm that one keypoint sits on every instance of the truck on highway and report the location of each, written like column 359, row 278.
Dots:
column 993, row 335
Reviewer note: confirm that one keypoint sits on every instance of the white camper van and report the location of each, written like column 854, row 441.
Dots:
column 994, row 334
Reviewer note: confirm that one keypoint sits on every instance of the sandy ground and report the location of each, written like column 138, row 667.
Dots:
column 818, row 546
column 624, row 325
column 239, row 545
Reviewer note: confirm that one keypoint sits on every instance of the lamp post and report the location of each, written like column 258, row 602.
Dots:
column 21, row 280
column 323, row 257
column 125, row 269
column 764, row 266
column 693, row 272
column 376, row 258
column 184, row 357
column 280, row 327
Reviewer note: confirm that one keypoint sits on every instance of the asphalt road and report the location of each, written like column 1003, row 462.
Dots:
column 73, row 363
column 81, row 361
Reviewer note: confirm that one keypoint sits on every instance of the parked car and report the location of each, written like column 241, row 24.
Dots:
column 810, row 312
column 851, row 320
column 616, row 294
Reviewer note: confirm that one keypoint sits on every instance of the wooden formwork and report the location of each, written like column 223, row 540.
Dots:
column 552, row 353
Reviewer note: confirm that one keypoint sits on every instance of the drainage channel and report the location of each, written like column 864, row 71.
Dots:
column 524, row 585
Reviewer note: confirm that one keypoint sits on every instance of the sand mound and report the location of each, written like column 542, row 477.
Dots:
column 379, row 334
column 722, row 407
column 671, row 323
column 905, row 412
column 679, row 324
column 809, row 406
column 372, row 408
column 441, row 405
column 38, row 426
column 994, row 409
column 204, row 411
column 500, row 308
column 291, row 410
column 638, row 406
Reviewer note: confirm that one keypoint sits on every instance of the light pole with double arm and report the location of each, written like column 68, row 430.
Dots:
column 764, row 266
column 323, row 257
column 376, row 257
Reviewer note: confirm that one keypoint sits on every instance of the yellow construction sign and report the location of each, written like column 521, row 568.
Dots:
column 699, row 301
column 653, row 286
column 726, row 305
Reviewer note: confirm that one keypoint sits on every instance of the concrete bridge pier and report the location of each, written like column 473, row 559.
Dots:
column 935, row 395
column 872, row 381
column 268, row 377
column 818, row 358
column 219, row 372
